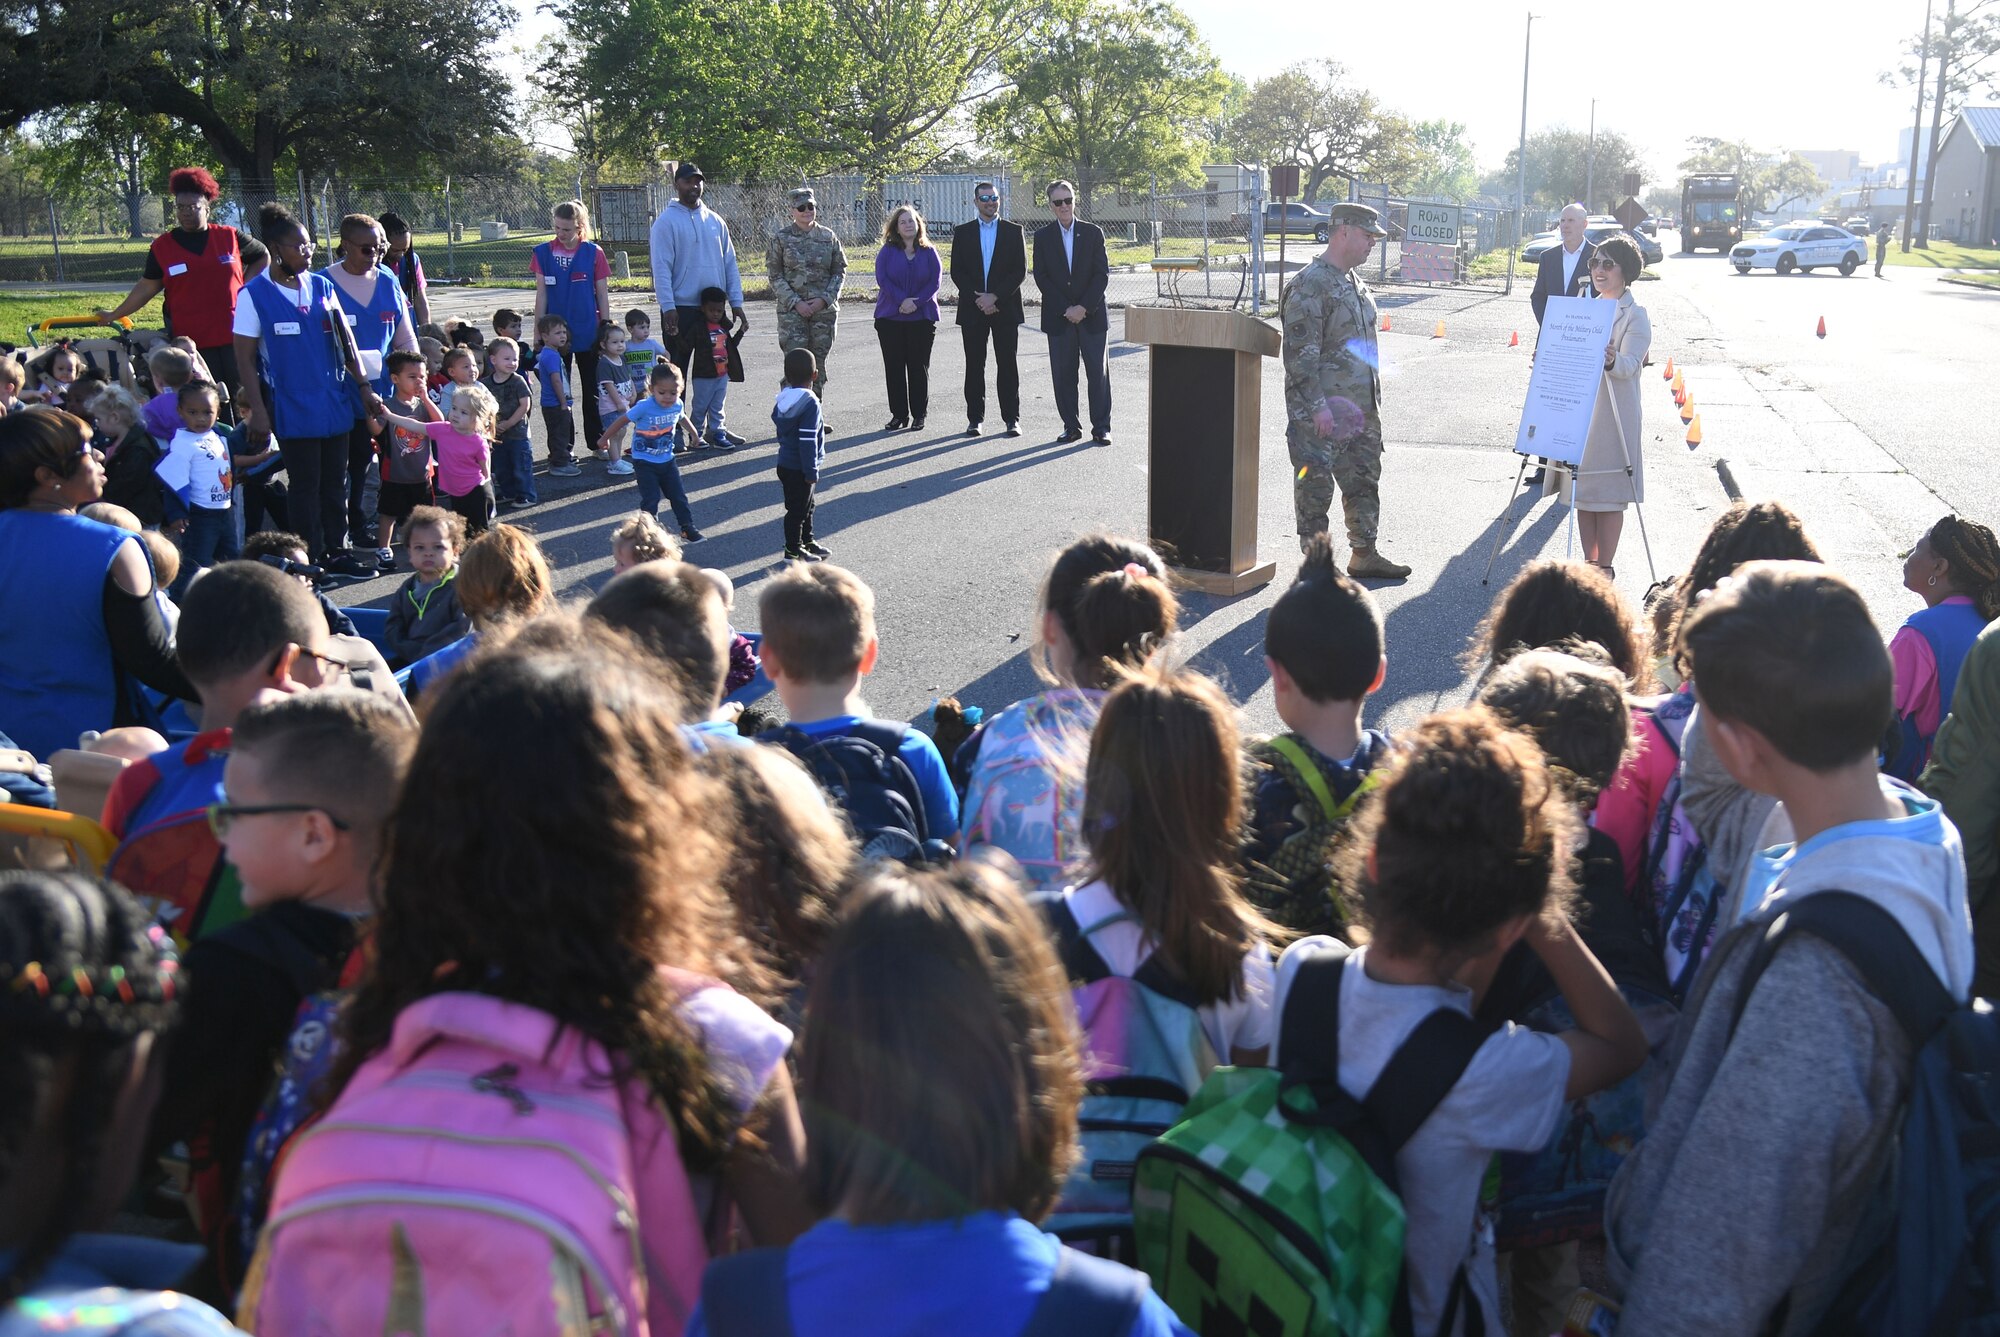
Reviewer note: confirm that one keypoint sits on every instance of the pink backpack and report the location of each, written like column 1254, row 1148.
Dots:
column 478, row 1175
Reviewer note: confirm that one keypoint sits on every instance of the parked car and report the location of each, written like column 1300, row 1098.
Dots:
column 1295, row 219
column 1801, row 246
column 1650, row 251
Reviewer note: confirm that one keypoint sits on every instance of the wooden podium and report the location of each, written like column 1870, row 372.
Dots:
column 1205, row 389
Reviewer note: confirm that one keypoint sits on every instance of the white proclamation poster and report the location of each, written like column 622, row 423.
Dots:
column 1562, row 391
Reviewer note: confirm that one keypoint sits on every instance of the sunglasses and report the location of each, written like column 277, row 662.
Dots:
column 1064, row 202
column 987, row 199
column 1603, row 262
column 805, row 208
column 222, row 816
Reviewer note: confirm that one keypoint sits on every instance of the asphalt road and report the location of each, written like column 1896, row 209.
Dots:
column 1869, row 433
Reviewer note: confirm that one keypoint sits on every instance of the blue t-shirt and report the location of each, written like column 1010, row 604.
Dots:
column 980, row 1276
column 549, row 371
column 653, row 430
column 926, row 765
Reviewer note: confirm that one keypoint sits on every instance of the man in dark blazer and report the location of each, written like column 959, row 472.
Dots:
column 1564, row 270
column 1072, row 272
column 989, row 263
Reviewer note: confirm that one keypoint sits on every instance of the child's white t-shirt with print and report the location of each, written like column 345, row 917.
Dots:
column 196, row 468
column 1243, row 1022
column 1508, row 1099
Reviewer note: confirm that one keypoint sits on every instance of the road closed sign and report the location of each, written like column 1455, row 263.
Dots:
column 1433, row 223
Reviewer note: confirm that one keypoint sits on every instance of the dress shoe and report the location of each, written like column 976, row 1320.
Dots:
column 1103, row 440
column 1069, row 434
column 973, row 429
column 916, row 424
column 895, row 424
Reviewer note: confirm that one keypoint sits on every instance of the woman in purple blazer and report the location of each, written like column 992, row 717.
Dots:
column 907, row 273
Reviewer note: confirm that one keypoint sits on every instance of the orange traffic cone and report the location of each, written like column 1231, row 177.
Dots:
column 1687, row 408
column 1822, row 327
column 1514, row 339
column 1694, row 432
column 1438, row 333
column 1385, row 324
column 1668, row 374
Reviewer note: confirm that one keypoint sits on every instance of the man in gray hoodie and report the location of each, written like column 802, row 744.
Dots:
column 1740, row 1206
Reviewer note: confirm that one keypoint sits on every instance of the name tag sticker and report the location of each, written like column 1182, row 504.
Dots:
column 549, row 279
column 177, row 269
column 285, row 327
column 350, row 319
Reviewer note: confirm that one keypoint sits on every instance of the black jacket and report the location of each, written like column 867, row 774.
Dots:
column 1078, row 282
column 1549, row 277
column 1009, row 272
column 692, row 350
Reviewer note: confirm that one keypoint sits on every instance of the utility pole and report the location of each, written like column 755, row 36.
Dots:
column 1521, row 162
column 1590, row 162
column 1937, row 119
column 1917, row 132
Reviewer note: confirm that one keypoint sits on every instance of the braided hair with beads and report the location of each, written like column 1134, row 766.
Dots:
column 1973, row 554
column 83, row 973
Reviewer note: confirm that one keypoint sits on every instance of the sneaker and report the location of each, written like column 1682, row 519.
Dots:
column 816, row 548
column 731, row 441
column 721, row 445
column 619, row 467
column 692, row 535
column 347, row 564
column 565, row 471
column 385, row 558
column 799, row 555
column 600, row 454
column 516, row 504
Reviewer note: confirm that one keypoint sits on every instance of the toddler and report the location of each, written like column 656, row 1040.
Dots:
column 12, row 378
column 426, row 616
column 642, row 350
column 507, row 325
column 614, row 398
column 196, row 469
column 552, row 333
column 172, row 368
column 513, row 458
column 130, row 457
column 460, row 368
column 654, row 421
column 713, row 363
column 464, row 442
column 801, row 449
column 407, row 463
column 58, row 378
column 743, row 659
column 432, row 348
column 641, row 539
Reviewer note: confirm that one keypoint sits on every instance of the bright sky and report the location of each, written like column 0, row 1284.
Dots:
column 1658, row 76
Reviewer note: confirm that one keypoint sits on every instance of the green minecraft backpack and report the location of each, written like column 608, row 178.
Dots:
column 1272, row 1208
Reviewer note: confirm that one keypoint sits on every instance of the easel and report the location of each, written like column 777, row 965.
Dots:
column 1505, row 520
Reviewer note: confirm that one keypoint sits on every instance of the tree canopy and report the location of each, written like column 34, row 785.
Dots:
column 1561, row 168
column 1310, row 114
column 1770, row 179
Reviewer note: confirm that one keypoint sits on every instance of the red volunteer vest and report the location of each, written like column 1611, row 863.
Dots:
column 201, row 289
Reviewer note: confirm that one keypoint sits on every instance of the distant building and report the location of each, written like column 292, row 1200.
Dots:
column 1967, row 207
column 1836, row 167
column 1903, row 149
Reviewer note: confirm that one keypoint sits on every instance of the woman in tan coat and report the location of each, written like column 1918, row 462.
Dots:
column 1613, row 473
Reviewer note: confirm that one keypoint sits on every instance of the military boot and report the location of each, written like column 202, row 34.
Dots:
column 1370, row 564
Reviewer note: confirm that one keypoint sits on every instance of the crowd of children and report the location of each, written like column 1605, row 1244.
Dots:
column 1603, row 1002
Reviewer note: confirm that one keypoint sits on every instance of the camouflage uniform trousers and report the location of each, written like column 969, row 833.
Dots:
column 1322, row 463
column 815, row 332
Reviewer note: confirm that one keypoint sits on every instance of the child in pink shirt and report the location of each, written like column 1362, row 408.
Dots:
column 464, row 443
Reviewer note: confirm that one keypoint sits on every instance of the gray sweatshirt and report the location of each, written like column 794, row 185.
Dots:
column 692, row 250
column 1764, row 1149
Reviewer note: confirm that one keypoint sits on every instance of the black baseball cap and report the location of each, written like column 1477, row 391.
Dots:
column 687, row 171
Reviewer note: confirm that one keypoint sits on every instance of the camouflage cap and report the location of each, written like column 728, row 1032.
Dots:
column 803, row 195
column 1359, row 215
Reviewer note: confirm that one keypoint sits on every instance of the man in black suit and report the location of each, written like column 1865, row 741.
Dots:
column 1072, row 272
column 1564, row 270
column 989, row 263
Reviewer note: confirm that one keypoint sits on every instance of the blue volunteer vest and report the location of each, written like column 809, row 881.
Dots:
column 311, row 395
column 1950, row 629
column 571, row 291
column 57, row 677
column 374, row 321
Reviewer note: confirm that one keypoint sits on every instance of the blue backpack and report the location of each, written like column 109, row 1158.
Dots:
column 1927, row 1256
column 863, row 771
column 746, row 1295
column 1676, row 883
column 1145, row 1055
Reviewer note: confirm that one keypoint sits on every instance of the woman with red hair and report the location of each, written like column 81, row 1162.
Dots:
column 199, row 266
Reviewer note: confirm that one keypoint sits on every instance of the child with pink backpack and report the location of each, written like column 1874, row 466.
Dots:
column 548, row 1101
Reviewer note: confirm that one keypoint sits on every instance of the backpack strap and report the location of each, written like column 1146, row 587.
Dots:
column 261, row 938
column 1086, row 965
column 746, row 1295
column 1087, row 1297
column 1874, row 944
column 1288, row 747
column 889, row 736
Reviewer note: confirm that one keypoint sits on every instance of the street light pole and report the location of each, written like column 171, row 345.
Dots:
column 1917, row 132
column 1590, row 162
column 1521, row 162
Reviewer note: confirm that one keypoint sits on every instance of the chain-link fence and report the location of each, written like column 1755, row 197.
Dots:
column 1222, row 243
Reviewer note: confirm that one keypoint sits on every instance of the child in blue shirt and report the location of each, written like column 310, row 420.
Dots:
column 656, row 420
column 196, row 469
column 801, row 448
column 552, row 333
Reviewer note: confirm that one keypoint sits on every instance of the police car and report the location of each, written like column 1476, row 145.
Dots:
column 1806, row 246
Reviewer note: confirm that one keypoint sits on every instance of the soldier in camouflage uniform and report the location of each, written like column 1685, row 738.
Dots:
column 807, row 266
column 1333, row 392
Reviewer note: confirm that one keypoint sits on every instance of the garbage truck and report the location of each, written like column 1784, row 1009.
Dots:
column 1711, row 211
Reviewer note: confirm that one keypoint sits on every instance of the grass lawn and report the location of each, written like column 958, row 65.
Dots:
column 1947, row 255
column 19, row 310
column 1976, row 280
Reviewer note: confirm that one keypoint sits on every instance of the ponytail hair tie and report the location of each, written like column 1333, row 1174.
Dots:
column 1137, row 572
